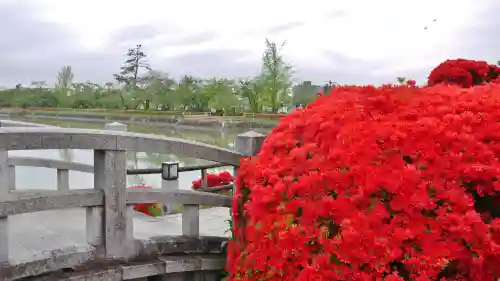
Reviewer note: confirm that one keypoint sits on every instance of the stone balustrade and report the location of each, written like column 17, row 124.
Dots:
column 115, row 254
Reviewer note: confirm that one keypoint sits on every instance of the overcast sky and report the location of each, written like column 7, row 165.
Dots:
column 356, row 41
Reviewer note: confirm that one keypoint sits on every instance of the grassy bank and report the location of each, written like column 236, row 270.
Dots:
column 267, row 119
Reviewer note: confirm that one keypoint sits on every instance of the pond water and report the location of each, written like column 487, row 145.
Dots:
column 45, row 179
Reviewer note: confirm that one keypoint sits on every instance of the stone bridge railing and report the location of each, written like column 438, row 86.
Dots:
column 115, row 254
column 63, row 168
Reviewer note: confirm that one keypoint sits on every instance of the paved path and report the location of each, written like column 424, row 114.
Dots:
column 36, row 235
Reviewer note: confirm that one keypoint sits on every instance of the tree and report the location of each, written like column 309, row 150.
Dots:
column 136, row 85
column 276, row 75
column 221, row 94
column 129, row 74
column 160, row 89
column 63, row 86
column 65, row 78
column 402, row 80
column 193, row 97
column 38, row 95
column 304, row 93
column 251, row 90
column 110, row 97
column 86, row 95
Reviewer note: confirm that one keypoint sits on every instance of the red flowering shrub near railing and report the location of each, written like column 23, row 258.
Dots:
column 391, row 183
column 464, row 73
column 214, row 180
column 150, row 209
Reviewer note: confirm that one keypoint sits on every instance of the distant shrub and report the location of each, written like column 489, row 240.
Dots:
column 464, row 73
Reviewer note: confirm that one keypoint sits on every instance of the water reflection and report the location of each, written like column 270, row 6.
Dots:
column 44, row 178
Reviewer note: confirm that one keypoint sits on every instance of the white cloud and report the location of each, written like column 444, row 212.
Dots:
column 388, row 31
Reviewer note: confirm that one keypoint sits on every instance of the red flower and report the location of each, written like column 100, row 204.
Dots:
column 464, row 73
column 144, row 208
column 214, row 180
column 411, row 83
column 389, row 183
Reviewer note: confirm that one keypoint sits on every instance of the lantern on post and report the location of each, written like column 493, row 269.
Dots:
column 170, row 171
column 170, row 182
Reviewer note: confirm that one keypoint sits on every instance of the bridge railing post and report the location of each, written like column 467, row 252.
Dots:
column 191, row 220
column 204, row 183
column 4, row 220
column 6, row 184
column 62, row 179
column 191, row 213
column 170, row 182
column 249, row 144
column 11, row 174
column 110, row 228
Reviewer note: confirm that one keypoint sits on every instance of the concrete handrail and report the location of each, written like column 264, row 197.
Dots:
column 26, row 161
column 63, row 168
column 49, row 163
column 26, row 138
column 29, row 201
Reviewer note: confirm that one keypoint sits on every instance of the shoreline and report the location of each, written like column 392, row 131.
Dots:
column 208, row 123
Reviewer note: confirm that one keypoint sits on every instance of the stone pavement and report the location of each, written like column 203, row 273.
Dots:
column 35, row 235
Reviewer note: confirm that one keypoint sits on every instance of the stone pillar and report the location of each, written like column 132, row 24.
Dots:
column 129, row 231
column 4, row 221
column 62, row 180
column 5, row 186
column 248, row 144
column 12, row 177
column 116, row 126
column 110, row 228
column 110, row 176
column 170, row 182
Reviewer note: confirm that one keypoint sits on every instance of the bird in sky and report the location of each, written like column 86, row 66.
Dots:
column 433, row 21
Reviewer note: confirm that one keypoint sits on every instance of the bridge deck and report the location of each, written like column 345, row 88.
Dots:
column 37, row 235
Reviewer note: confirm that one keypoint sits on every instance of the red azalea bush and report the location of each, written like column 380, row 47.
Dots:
column 214, row 180
column 464, row 73
column 391, row 183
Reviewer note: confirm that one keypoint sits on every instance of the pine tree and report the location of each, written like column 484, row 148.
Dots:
column 129, row 74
